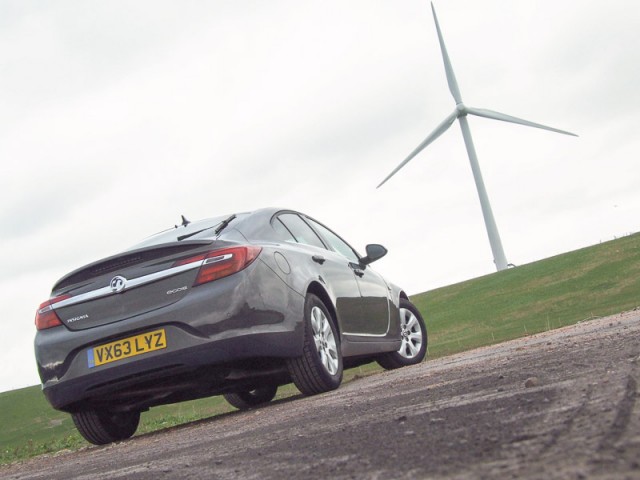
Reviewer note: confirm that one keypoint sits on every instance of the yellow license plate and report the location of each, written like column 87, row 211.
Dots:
column 127, row 347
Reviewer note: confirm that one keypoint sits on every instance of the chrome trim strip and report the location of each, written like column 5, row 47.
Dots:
column 131, row 283
column 367, row 334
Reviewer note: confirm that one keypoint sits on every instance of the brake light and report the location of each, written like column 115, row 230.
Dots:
column 46, row 316
column 222, row 263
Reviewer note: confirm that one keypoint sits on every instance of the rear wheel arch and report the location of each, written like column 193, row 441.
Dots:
column 319, row 291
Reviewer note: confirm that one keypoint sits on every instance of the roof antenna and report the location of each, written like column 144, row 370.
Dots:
column 185, row 222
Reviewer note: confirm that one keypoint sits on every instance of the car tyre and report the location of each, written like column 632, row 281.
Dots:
column 250, row 398
column 413, row 332
column 102, row 427
column 319, row 368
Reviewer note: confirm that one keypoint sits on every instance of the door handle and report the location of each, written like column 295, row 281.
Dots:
column 356, row 269
column 318, row 259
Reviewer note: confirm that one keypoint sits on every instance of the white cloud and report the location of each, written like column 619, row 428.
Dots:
column 117, row 117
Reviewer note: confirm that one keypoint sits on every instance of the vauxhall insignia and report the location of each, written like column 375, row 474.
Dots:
column 117, row 284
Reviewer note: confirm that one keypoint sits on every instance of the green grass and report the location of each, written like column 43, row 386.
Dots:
column 558, row 291
column 592, row 282
column 31, row 427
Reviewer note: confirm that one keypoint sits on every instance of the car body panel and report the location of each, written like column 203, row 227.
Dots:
column 233, row 332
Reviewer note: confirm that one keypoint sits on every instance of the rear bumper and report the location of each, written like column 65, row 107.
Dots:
column 251, row 315
column 190, row 372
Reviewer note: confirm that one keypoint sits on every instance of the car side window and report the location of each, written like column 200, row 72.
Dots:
column 282, row 231
column 336, row 242
column 302, row 233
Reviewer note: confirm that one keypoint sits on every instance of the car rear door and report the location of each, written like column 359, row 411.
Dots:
column 333, row 268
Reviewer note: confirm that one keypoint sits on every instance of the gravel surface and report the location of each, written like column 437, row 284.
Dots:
column 562, row 404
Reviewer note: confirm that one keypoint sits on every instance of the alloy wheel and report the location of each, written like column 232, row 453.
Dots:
column 324, row 340
column 411, row 334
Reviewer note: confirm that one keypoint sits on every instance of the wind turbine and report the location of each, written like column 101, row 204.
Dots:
column 460, row 113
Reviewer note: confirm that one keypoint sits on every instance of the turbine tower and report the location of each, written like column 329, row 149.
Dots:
column 460, row 113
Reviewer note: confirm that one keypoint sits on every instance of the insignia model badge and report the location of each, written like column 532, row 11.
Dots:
column 176, row 290
column 117, row 284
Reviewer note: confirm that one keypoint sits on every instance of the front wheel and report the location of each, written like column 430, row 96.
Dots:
column 319, row 369
column 101, row 427
column 413, row 334
column 251, row 398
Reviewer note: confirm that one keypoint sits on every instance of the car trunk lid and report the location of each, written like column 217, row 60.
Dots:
column 129, row 284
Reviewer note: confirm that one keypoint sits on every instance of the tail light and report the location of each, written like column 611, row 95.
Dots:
column 222, row 263
column 46, row 316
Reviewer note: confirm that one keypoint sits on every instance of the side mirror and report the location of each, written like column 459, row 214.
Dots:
column 374, row 252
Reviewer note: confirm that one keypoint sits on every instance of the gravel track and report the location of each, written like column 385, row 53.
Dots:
column 561, row 404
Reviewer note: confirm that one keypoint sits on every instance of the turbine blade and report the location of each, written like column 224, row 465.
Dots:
column 481, row 112
column 451, row 77
column 439, row 130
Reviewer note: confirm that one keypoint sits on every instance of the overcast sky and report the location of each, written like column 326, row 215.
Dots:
column 116, row 117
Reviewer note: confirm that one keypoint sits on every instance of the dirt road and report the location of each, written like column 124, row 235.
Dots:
column 563, row 404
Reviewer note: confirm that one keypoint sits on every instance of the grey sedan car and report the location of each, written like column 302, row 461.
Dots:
column 235, row 305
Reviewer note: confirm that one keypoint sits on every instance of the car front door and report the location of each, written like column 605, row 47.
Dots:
column 372, row 317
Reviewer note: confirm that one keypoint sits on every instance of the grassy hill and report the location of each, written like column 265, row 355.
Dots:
column 558, row 291
column 592, row 282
